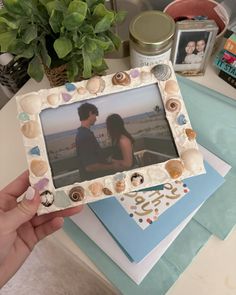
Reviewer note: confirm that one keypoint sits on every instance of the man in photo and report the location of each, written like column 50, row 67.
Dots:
column 92, row 162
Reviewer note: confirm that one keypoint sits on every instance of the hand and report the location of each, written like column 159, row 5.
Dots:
column 20, row 228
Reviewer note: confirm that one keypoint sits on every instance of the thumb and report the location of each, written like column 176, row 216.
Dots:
column 24, row 211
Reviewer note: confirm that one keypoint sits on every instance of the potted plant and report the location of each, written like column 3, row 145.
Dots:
column 62, row 34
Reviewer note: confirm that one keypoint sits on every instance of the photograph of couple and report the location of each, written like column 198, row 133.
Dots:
column 192, row 48
column 108, row 134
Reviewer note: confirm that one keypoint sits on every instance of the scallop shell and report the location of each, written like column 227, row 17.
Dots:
column 53, row 99
column 137, row 179
column 162, row 72
column 95, row 84
column 96, row 189
column 31, row 104
column 171, row 87
column 192, row 159
column 145, row 76
column 173, row 105
column 30, row 129
column 191, row 134
column 76, row 193
column 120, row 186
column 47, row 198
column 121, row 78
column 38, row 167
column 175, row 168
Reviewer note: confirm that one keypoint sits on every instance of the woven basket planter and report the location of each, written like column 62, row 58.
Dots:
column 56, row 76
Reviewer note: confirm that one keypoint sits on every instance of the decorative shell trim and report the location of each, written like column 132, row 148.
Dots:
column 29, row 107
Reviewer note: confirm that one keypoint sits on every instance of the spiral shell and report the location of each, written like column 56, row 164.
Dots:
column 121, row 78
column 53, row 99
column 95, row 84
column 96, row 189
column 192, row 159
column 30, row 129
column 76, row 193
column 171, row 87
column 175, row 168
column 120, row 186
column 173, row 105
column 191, row 134
column 38, row 167
column 31, row 104
column 162, row 72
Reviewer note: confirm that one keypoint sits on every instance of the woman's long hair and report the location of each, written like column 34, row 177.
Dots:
column 116, row 128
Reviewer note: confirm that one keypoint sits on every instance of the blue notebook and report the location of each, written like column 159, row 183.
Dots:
column 136, row 242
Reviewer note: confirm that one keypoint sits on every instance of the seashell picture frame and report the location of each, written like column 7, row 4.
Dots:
column 65, row 163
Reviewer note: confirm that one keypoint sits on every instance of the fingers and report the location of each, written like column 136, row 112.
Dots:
column 24, row 211
column 49, row 227
column 37, row 220
column 18, row 186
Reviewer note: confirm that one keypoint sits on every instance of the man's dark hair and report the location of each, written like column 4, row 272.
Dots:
column 85, row 109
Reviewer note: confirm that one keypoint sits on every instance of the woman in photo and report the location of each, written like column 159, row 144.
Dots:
column 190, row 57
column 122, row 142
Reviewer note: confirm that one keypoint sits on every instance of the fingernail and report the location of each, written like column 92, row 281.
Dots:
column 30, row 193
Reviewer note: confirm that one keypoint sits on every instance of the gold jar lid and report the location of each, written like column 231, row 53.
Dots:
column 152, row 30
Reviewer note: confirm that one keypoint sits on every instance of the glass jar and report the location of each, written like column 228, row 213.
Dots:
column 151, row 34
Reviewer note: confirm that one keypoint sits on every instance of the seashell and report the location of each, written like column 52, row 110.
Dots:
column 47, row 198
column 81, row 90
column 119, row 176
column 30, row 129
column 24, row 117
column 171, row 87
column 38, row 167
column 181, row 120
column 76, row 193
column 31, row 104
column 41, row 184
column 134, row 73
column 145, row 76
column 191, row 134
column 162, row 72
column 95, row 84
column 53, row 99
column 70, row 87
column 96, row 189
column 175, row 168
column 61, row 200
column 66, row 97
column 106, row 191
column 192, row 159
column 120, row 186
column 121, row 78
column 137, row 179
column 35, row 151
column 173, row 105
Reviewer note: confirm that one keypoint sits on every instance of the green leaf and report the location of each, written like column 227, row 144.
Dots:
column 44, row 53
column 55, row 5
column 14, row 7
column 72, row 70
column 120, row 16
column 55, row 21
column 78, row 6
column 100, row 11
column 35, row 69
column 73, row 21
column 87, row 71
column 96, row 57
column 6, row 39
column 90, row 45
column 10, row 24
column 29, row 34
column 102, row 44
column 101, row 68
column 91, row 3
column 104, row 24
column 27, row 53
column 114, row 38
column 62, row 46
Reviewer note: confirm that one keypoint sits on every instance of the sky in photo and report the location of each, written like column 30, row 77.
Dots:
column 126, row 104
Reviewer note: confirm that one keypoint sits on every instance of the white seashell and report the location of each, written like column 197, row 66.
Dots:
column 38, row 167
column 192, row 159
column 81, row 90
column 53, row 99
column 145, row 76
column 30, row 129
column 95, row 84
column 31, row 104
column 171, row 87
